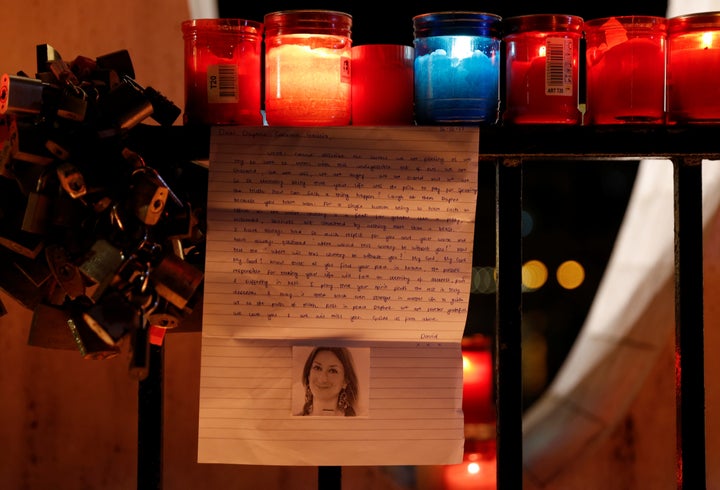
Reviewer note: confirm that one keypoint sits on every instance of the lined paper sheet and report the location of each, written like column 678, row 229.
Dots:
column 356, row 237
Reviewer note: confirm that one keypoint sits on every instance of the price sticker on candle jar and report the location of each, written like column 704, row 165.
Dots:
column 222, row 84
column 542, row 73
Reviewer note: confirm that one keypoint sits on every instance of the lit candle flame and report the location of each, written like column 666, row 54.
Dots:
column 707, row 40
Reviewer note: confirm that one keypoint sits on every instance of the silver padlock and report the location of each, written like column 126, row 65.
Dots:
column 148, row 195
column 100, row 265
column 24, row 95
column 71, row 180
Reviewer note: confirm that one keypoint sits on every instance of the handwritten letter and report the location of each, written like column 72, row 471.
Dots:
column 357, row 236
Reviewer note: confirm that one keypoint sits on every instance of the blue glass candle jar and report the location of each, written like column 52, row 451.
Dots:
column 457, row 68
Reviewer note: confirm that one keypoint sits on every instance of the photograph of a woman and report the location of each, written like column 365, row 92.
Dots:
column 330, row 382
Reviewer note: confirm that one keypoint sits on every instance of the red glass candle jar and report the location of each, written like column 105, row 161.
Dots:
column 542, row 69
column 693, row 68
column 625, row 70
column 478, row 386
column 307, row 68
column 223, row 71
column 382, row 85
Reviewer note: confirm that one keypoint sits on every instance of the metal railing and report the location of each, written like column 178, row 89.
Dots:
column 508, row 148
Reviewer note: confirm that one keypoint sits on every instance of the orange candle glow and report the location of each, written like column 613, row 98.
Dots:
column 307, row 68
column 478, row 400
column 478, row 471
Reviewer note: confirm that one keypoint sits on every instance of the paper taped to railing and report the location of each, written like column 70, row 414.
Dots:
column 350, row 237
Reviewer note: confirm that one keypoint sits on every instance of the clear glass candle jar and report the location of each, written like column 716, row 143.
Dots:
column 307, row 68
column 457, row 67
column 223, row 71
column 693, row 68
column 542, row 69
column 625, row 70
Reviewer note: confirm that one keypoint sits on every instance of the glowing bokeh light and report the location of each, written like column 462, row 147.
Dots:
column 534, row 274
column 570, row 274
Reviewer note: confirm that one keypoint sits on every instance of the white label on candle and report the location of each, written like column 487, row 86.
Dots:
column 558, row 66
column 222, row 84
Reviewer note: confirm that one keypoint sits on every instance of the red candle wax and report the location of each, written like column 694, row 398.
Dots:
column 626, row 83
column 478, row 400
column 542, row 72
column 530, row 102
column 694, row 80
column 625, row 74
column 222, row 71
column 476, row 472
column 382, row 85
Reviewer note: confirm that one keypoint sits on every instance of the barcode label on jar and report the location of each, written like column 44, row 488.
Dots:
column 222, row 84
column 558, row 66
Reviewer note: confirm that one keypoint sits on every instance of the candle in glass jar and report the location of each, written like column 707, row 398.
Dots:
column 457, row 68
column 693, row 69
column 382, row 84
column 478, row 399
column 307, row 68
column 478, row 471
column 625, row 67
column 542, row 72
column 222, row 71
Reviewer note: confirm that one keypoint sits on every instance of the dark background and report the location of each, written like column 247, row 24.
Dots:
column 575, row 208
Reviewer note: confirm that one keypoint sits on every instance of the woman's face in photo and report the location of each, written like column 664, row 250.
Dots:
column 327, row 376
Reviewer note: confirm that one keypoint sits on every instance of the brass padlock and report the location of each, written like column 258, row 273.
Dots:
column 39, row 206
column 176, row 280
column 49, row 328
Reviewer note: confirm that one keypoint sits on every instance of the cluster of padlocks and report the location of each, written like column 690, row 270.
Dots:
column 94, row 240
